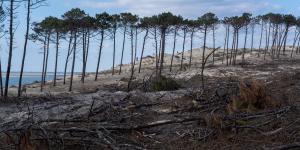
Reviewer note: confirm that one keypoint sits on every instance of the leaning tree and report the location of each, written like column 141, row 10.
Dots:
column 246, row 20
column 103, row 21
column 31, row 4
column 125, row 20
column 2, row 19
column 206, row 23
column 177, row 21
column 115, row 23
column 145, row 25
column 192, row 28
column 73, row 20
column 165, row 22
column 87, row 26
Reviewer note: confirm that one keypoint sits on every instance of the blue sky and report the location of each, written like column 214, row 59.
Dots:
column 187, row 8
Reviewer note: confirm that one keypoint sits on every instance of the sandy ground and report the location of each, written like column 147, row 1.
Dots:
column 108, row 82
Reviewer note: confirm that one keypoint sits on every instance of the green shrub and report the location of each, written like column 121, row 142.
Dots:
column 164, row 84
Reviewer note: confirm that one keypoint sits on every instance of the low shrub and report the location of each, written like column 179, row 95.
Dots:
column 252, row 96
column 164, row 84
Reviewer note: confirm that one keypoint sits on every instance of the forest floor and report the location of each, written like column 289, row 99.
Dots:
column 256, row 106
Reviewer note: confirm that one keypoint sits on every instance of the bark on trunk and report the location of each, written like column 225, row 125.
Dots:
column 144, row 42
column 74, row 60
column 174, row 47
column 11, row 42
column 68, row 56
column 56, row 58
column 114, row 51
column 25, row 48
column 123, row 48
column 99, row 56
column 183, row 47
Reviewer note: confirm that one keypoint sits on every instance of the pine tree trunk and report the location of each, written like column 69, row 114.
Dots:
column 183, row 47
column 25, row 48
column 174, row 47
column 227, row 46
column 114, row 51
column 44, row 62
column 47, row 58
column 294, row 42
column 99, row 56
column 56, row 58
column 236, row 47
column 233, row 47
column 225, row 41
column 252, row 37
column 86, row 53
column 132, row 61
column 144, row 42
column 156, row 51
column 204, row 46
column 74, row 60
column 163, row 42
column 83, row 54
column 203, row 57
column 68, row 56
column 1, row 84
column 261, row 37
column 245, row 44
column 214, row 45
column 135, row 45
column 123, row 48
column 11, row 42
column 191, row 54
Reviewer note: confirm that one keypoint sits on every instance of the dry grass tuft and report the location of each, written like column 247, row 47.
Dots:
column 252, row 96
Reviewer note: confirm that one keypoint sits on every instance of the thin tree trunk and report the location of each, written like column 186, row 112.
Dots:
column 294, row 43
column 174, row 47
column 252, row 37
column 227, row 46
column 163, row 42
column 261, row 37
column 25, row 47
column 191, row 54
column 68, row 56
column 298, row 46
column 214, row 45
column 1, row 84
column 285, row 40
column 245, row 44
column 83, row 54
column 44, row 62
column 99, row 56
column 183, row 47
column 203, row 57
column 74, row 59
column 236, row 47
column 233, row 47
column 225, row 41
column 86, row 53
column 144, row 42
column 204, row 46
column 132, row 61
column 56, row 58
column 135, row 45
column 47, row 57
column 123, row 48
column 11, row 42
column 156, row 51
column 114, row 52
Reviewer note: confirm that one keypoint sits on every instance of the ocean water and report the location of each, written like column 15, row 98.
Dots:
column 14, row 81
